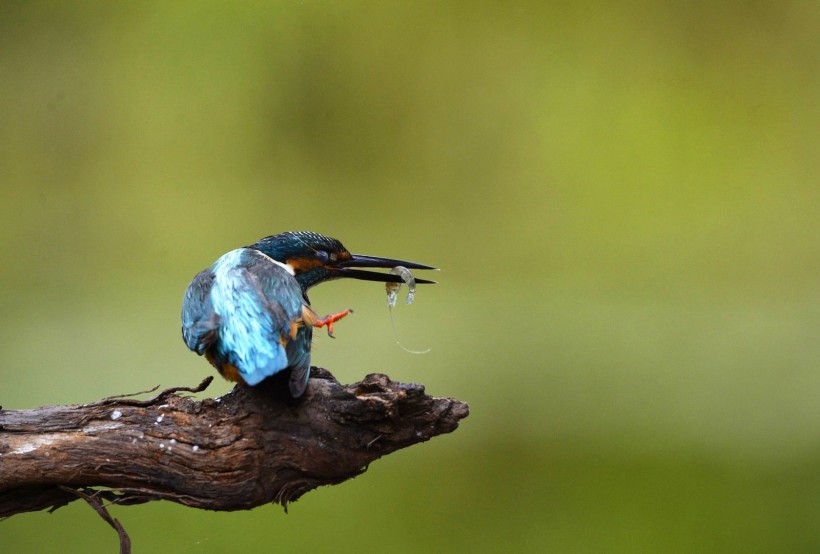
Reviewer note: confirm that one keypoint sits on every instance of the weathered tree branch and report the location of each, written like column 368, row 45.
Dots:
column 247, row 448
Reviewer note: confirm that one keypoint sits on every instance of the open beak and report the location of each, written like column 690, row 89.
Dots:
column 343, row 269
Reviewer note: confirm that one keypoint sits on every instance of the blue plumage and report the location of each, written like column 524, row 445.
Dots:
column 242, row 313
column 254, row 299
column 249, row 313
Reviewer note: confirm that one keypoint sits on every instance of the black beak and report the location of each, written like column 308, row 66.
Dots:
column 342, row 269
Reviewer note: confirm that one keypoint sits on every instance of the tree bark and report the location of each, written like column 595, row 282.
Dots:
column 250, row 447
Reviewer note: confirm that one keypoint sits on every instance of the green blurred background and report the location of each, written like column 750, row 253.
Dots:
column 623, row 199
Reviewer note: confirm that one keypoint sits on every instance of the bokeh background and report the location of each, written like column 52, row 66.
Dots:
column 623, row 199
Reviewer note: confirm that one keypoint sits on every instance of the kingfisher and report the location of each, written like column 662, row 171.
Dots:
column 249, row 313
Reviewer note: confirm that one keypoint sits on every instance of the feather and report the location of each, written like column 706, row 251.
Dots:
column 246, row 311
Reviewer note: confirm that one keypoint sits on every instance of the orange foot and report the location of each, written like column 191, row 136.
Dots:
column 330, row 320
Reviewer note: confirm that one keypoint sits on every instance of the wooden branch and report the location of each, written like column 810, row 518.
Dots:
column 247, row 448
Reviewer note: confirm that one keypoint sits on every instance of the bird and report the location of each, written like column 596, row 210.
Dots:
column 249, row 313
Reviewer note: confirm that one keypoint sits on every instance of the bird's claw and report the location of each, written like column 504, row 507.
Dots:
column 328, row 321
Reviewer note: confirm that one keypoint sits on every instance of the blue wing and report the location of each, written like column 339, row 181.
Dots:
column 257, row 311
column 199, row 321
column 299, row 357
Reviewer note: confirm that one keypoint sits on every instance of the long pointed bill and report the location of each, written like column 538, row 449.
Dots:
column 343, row 269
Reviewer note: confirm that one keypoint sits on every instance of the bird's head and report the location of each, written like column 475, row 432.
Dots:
column 315, row 258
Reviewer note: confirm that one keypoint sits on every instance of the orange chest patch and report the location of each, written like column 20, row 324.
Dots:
column 230, row 373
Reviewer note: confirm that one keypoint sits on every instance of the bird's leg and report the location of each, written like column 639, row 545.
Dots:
column 328, row 321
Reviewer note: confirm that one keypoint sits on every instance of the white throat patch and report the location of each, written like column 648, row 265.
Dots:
column 286, row 267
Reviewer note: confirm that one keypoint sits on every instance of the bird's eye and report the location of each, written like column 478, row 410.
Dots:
column 322, row 256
